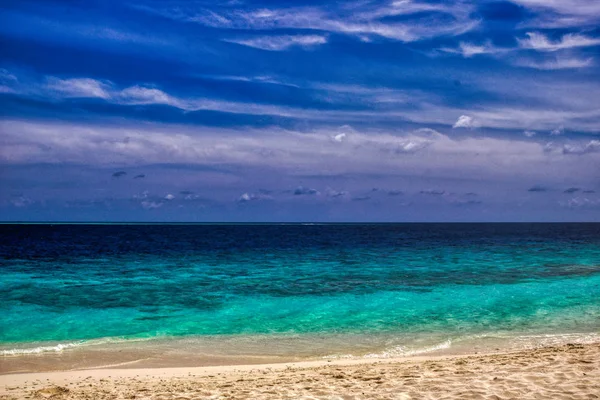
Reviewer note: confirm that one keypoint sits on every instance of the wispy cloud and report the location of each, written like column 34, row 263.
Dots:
column 569, row 105
column 469, row 50
column 21, row 201
column 582, row 202
column 151, row 205
column 146, row 95
column 56, row 89
column 556, row 63
column 357, row 19
column 540, row 42
column 280, row 43
column 562, row 13
column 79, row 87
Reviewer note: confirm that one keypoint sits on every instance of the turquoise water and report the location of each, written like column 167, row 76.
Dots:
column 368, row 288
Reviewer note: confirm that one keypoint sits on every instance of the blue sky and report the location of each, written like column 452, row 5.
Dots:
column 148, row 110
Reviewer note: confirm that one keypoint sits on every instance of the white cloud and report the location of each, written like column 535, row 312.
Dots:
column 280, row 43
column 247, row 197
column 581, row 202
column 555, row 102
column 21, row 201
column 339, row 137
column 540, row 42
column 563, row 13
column 6, row 76
column 546, row 118
column 469, row 50
column 555, row 63
column 144, row 95
column 150, row 205
column 408, row 146
column 358, row 19
column 169, row 197
column 529, row 133
column 143, row 195
column 558, row 131
column 464, row 121
column 593, row 146
column 290, row 153
column 79, row 87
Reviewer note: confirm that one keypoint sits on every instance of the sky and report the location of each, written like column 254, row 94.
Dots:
column 289, row 110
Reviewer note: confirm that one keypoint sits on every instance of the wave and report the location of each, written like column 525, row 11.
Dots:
column 403, row 351
column 397, row 351
column 490, row 342
column 41, row 349
column 60, row 347
column 482, row 342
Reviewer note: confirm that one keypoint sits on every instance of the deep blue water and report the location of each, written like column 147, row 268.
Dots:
column 64, row 283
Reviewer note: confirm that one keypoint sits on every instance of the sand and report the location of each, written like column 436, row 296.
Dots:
column 565, row 372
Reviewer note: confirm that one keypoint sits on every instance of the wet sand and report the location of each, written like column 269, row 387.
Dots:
column 564, row 372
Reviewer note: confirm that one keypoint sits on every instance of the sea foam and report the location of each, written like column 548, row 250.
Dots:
column 60, row 347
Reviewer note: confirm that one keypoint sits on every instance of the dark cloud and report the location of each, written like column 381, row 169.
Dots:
column 186, row 192
column 433, row 192
column 301, row 190
column 336, row 193
column 89, row 203
column 589, row 191
column 229, row 119
column 572, row 190
column 361, row 198
column 537, row 188
column 467, row 202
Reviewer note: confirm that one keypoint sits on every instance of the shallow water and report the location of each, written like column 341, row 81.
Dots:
column 294, row 291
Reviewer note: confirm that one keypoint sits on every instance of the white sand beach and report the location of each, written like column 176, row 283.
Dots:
column 565, row 372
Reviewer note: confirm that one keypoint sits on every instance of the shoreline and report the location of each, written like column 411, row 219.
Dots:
column 571, row 369
column 197, row 352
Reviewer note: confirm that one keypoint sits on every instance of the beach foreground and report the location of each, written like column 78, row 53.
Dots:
column 566, row 372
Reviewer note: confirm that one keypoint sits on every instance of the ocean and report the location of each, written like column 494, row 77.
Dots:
column 192, row 294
